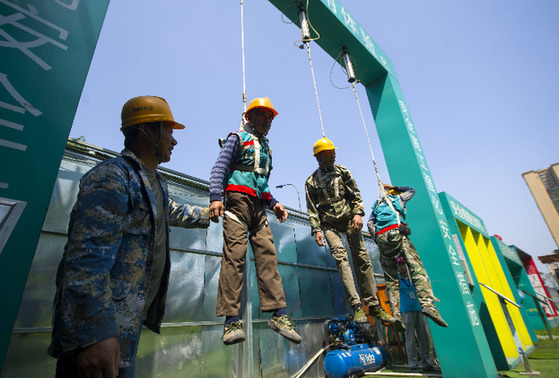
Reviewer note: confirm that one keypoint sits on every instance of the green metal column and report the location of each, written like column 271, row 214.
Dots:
column 462, row 348
column 46, row 50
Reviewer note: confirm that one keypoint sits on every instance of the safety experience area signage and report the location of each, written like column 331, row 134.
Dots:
column 46, row 47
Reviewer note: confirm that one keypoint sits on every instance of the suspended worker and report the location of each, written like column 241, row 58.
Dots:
column 239, row 178
column 335, row 207
column 114, row 274
column 391, row 234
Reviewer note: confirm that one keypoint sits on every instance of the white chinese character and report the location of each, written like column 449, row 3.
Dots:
column 409, row 124
column 436, row 204
column 403, row 106
column 472, row 312
column 422, row 162
column 349, row 22
column 14, row 20
column 415, row 143
column 72, row 6
column 368, row 42
column 332, row 6
column 444, row 227
column 24, row 106
column 429, row 181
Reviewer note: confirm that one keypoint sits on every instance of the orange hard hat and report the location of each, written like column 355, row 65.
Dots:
column 261, row 103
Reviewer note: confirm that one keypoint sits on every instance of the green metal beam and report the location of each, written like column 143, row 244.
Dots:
column 462, row 348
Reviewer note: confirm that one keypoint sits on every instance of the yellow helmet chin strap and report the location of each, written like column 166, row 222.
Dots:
column 158, row 144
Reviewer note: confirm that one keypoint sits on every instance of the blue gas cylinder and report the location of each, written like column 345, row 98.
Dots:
column 357, row 360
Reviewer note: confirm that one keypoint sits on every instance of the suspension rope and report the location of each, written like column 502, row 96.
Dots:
column 242, row 127
column 306, row 39
column 351, row 78
column 307, row 44
column 380, row 184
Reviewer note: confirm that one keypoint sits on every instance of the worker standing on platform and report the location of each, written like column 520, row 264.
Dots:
column 114, row 273
column 415, row 324
column 391, row 235
column 240, row 176
column 335, row 207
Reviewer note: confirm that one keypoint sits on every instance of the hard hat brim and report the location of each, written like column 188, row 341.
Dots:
column 274, row 111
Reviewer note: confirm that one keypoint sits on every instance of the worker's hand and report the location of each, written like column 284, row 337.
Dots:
column 99, row 360
column 280, row 212
column 357, row 222
column 319, row 239
column 216, row 211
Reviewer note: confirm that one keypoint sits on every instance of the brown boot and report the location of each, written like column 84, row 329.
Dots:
column 433, row 314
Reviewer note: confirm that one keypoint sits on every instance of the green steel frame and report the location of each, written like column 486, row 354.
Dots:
column 462, row 349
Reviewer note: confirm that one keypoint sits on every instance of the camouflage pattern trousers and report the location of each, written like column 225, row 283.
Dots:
column 361, row 263
column 391, row 244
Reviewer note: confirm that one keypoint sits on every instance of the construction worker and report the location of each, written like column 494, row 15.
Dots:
column 240, row 177
column 114, row 274
column 386, row 224
column 335, row 207
column 415, row 323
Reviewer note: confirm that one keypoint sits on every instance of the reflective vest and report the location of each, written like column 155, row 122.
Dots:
column 250, row 171
column 385, row 216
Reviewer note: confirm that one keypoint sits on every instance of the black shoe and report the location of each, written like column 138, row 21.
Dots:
column 432, row 369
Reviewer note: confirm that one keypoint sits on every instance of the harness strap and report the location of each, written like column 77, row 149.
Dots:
column 265, row 171
column 235, row 218
column 336, row 185
column 250, row 168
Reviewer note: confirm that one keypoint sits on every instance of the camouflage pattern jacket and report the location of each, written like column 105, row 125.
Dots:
column 332, row 196
column 103, row 278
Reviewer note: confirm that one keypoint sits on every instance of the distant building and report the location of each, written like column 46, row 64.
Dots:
column 544, row 186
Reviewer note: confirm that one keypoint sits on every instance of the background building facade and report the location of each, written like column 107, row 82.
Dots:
column 544, row 186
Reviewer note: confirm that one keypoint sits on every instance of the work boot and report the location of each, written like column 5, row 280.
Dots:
column 359, row 315
column 379, row 313
column 285, row 327
column 433, row 314
column 399, row 323
column 233, row 333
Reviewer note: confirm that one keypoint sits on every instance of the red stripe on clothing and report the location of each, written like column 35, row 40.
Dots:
column 248, row 142
column 247, row 190
column 387, row 229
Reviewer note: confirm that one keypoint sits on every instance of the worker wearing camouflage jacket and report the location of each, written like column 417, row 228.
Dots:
column 335, row 207
column 114, row 274
column 391, row 234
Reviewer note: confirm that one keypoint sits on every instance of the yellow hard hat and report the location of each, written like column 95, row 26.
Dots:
column 145, row 109
column 323, row 144
column 261, row 102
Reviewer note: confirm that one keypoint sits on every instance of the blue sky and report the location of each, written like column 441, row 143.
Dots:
column 480, row 79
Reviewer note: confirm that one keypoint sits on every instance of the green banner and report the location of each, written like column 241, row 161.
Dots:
column 46, row 47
